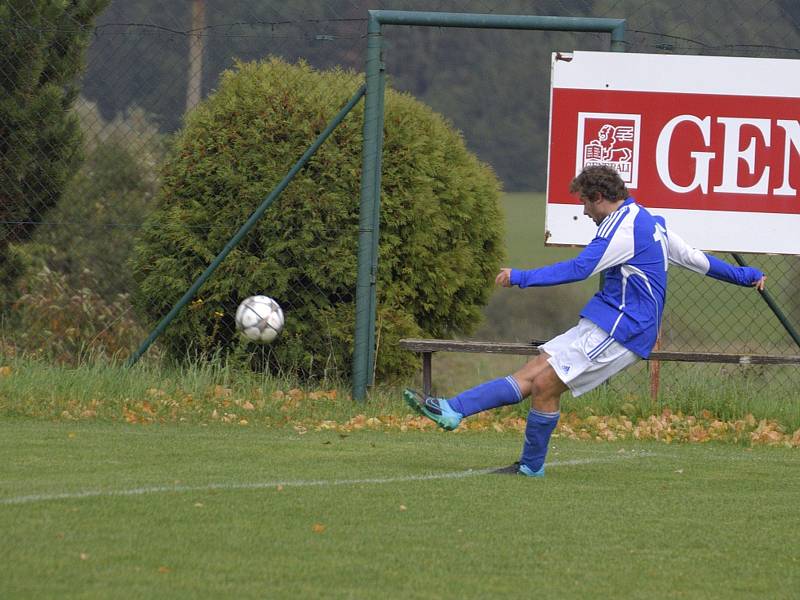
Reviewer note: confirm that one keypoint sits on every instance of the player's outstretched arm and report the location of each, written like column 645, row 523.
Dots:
column 594, row 257
column 684, row 255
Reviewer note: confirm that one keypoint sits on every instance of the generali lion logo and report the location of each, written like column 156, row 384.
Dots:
column 612, row 140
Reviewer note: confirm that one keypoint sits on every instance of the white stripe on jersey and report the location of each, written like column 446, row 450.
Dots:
column 608, row 223
column 621, row 245
column 628, row 270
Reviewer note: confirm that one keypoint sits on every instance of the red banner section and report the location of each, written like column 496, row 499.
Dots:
column 681, row 150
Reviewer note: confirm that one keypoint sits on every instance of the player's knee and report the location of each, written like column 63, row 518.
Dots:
column 528, row 374
column 546, row 384
column 537, row 386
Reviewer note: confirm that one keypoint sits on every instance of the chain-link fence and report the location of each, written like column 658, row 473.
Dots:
column 83, row 167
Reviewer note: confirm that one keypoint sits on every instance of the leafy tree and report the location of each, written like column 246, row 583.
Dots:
column 91, row 237
column 441, row 229
column 41, row 49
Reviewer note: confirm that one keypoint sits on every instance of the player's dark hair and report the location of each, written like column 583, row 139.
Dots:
column 601, row 180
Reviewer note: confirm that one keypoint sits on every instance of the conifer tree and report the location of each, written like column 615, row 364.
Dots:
column 42, row 43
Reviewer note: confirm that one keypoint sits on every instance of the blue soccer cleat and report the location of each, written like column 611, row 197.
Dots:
column 519, row 469
column 528, row 472
column 436, row 409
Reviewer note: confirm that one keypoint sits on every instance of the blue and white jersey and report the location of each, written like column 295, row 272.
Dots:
column 634, row 249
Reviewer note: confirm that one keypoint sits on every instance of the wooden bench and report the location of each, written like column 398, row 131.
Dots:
column 427, row 347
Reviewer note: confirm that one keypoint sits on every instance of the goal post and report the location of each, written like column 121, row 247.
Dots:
column 369, row 216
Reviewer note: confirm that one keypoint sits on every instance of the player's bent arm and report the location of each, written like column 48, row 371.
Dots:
column 684, row 255
column 576, row 269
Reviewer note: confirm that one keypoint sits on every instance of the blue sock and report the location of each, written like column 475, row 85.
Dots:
column 491, row 394
column 537, row 435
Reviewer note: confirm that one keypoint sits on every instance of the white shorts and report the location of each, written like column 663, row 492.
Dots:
column 585, row 356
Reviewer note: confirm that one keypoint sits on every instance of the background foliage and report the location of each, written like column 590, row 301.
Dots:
column 43, row 43
column 492, row 84
column 146, row 60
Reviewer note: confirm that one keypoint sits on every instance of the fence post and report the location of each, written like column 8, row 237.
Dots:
column 376, row 222
column 368, row 220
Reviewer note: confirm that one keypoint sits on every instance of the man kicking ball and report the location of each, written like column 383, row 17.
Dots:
column 617, row 327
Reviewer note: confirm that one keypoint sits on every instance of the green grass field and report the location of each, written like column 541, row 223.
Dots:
column 115, row 511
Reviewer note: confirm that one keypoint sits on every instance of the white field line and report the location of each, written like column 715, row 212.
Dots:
column 140, row 491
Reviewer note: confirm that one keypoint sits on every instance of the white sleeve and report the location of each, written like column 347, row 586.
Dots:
column 682, row 254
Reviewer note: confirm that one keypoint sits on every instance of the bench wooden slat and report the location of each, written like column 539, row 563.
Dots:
column 530, row 348
column 428, row 347
column 420, row 345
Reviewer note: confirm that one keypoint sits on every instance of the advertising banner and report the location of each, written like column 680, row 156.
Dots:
column 710, row 143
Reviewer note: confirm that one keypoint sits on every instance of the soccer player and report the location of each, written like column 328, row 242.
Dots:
column 617, row 327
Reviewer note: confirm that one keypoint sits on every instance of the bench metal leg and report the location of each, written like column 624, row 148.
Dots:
column 426, row 373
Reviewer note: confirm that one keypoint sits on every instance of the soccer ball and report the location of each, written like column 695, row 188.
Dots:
column 259, row 319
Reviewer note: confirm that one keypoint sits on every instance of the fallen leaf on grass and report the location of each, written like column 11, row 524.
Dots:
column 130, row 416
column 222, row 391
column 5, row 371
column 163, row 569
column 318, row 528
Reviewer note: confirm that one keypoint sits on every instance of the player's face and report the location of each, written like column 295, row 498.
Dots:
column 592, row 210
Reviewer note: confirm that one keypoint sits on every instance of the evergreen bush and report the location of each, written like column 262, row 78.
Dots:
column 440, row 237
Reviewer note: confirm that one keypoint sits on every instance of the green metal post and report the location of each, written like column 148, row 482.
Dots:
column 365, row 284
column 772, row 305
column 244, row 229
column 490, row 21
column 376, row 223
column 618, row 38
